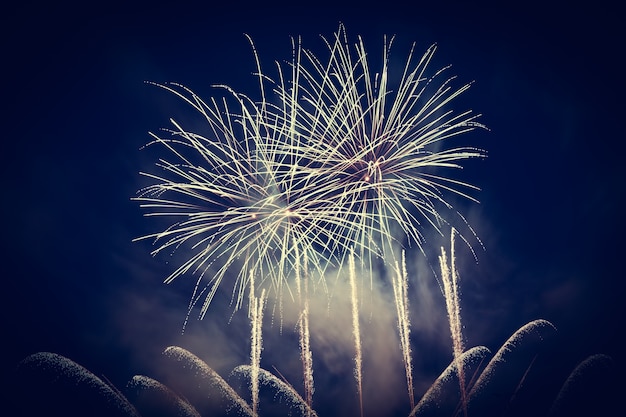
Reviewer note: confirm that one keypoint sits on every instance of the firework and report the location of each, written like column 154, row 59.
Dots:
column 238, row 199
column 205, row 374
column 256, row 342
column 400, row 294
column 331, row 159
column 356, row 331
column 378, row 144
column 450, row 279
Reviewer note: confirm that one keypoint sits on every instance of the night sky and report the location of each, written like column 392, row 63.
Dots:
column 547, row 78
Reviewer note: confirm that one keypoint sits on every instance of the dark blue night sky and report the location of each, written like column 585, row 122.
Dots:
column 548, row 80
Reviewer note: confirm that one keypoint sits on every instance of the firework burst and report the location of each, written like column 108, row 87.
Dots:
column 379, row 144
column 331, row 159
column 238, row 196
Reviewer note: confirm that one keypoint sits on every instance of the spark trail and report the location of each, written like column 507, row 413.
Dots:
column 449, row 276
column 400, row 293
column 306, row 356
column 356, row 330
column 256, row 342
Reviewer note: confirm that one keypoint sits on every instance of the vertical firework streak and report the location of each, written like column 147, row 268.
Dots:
column 400, row 293
column 449, row 276
column 204, row 372
column 356, row 329
column 306, row 356
column 538, row 327
column 281, row 387
column 244, row 197
column 433, row 394
column 256, row 342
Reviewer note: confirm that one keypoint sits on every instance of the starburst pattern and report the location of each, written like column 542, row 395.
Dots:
column 330, row 159
column 239, row 197
column 378, row 142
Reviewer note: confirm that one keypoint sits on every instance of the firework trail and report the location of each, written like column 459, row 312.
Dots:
column 281, row 387
column 151, row 395
column 306, row 356
column 66, row 388
column 449, row 276
column 539, row 327
column 432, row 398
column 356, row 330
column 597, row 370
column 400, row 293
column 256, row 342
column 205, row 373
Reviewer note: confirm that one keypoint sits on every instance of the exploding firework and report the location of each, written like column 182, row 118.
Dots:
column 239, row 198
column 379, row 142
column 331, row 159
